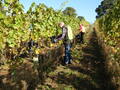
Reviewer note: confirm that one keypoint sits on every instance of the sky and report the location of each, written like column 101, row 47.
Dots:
column 85, row 8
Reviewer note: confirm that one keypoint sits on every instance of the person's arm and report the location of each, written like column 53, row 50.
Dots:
column 59, row 36
column 64, row 31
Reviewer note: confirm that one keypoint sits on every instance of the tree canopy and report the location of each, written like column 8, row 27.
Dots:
column 103, row 8
column 70, row 11
column 81, row 18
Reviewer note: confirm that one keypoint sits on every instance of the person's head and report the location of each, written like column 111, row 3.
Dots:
column 61, row 24
column 81, row 24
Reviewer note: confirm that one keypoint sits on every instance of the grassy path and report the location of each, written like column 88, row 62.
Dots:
column 87, row 72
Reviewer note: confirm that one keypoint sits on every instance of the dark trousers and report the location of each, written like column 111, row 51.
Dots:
column 67, row 58
column 81, row 37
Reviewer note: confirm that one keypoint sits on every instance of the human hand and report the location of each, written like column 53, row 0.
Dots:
column 55, row 40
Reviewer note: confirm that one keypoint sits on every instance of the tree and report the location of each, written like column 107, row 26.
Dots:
column 104, row 7
column 81, row 18
column 70, row 11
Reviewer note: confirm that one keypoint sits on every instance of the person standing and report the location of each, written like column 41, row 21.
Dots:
column 67, row 37
column 82, row 32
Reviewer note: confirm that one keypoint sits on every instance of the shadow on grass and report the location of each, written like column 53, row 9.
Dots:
column 20, row 77
column 23, row 76
column 93, row 65
column 75, row 81
column 94, row 59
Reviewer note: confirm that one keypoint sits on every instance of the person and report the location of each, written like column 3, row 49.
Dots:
column 82, row 32
column 67, row 37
